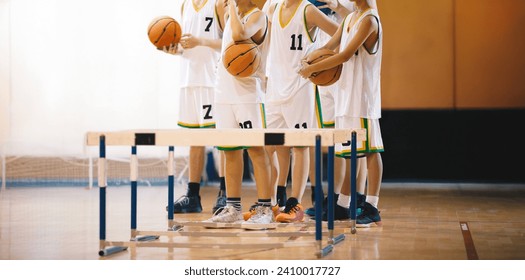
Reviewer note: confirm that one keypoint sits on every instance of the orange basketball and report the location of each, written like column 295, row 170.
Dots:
column 326, row 77
column 164, row 31
column 241, row 59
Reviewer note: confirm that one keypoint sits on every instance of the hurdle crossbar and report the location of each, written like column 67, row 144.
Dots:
column 210, row 137
column 224, row 137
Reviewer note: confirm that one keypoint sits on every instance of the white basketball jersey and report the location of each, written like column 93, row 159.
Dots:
column 290, row 42
column 359, row 94
column 198, row 65
column 237, row 90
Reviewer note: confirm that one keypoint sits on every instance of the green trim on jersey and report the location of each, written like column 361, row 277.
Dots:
column 318, row 108
column 366, row 144
column 329, row 124
column 263, row 113
column 306, row 25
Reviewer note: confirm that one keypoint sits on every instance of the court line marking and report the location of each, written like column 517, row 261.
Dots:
column 469, row 242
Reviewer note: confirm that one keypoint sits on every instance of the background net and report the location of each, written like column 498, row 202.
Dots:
column 68, row 171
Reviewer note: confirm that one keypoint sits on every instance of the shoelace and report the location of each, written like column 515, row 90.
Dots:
column 253, row 208
column 183, row 200
column 259, row 211
column 218, row 211
column 289, row 209
column 256, row 213
column 228, row 210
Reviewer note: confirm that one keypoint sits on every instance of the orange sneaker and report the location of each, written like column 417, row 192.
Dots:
column 247, row 215
column 253, row 209
column 293, row 212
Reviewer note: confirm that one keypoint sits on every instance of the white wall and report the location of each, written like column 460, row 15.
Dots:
column 4, row 74
column 72, row 66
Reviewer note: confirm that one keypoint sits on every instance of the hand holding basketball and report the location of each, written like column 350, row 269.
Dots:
column 304, row 70
column 188, row 41
column 321, row 78
column 171, row 49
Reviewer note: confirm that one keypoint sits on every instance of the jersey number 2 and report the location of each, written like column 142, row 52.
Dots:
column 207, row 112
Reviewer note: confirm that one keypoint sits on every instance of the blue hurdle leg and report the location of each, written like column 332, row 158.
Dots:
column 102, row 186
column 323, row 251
column 133, row 180
column 102, row 183
column 171, row 186
column 134, row 167
column 318, row 190
column 353, row 182
column 331, row 202
column 330, row 195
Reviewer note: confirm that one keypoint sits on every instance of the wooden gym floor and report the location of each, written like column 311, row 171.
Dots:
column 420, row 222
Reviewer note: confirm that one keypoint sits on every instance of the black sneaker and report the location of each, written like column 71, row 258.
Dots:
column 220, row 203
column 311, row 211
column 369, row 216
column 187, row 204
column 361, row 199
column 340, row 213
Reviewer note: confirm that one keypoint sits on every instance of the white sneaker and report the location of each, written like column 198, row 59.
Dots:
column 262, row 219
column 228, row 215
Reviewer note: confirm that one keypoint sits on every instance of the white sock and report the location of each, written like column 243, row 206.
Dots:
column 374, row 200
column 343, row 201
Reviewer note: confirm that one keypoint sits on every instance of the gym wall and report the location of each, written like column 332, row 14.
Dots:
column 453, row 91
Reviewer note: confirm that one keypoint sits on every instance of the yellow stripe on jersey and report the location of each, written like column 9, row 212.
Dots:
column 248, row 12
column 263, row 115
column 192, row 125
column 199, row 8
column 365, row 143
column 290, row 19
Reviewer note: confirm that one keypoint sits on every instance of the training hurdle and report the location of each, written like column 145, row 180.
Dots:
column 223, row 137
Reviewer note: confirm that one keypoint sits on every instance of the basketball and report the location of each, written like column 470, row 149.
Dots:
column 241, row 59
column 326, row 77
column 164, row 31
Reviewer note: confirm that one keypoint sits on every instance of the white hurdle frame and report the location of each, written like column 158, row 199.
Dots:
column 221, row 137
